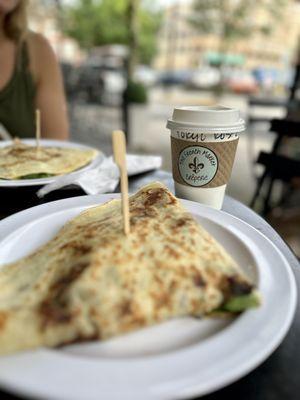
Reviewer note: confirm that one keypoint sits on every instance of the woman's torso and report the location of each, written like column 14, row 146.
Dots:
column 17, row 97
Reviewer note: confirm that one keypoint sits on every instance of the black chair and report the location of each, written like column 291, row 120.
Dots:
column 278, row 167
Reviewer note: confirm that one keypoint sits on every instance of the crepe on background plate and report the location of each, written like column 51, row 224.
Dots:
column 91, row 282
column 21, row 161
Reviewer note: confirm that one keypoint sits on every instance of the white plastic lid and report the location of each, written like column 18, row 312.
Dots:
column 207, row 119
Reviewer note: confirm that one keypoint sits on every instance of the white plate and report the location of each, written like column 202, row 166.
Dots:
column 174, row 360
column 44, row 181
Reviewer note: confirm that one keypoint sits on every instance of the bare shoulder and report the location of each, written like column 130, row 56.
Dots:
column 41, row 54
column 39, row 44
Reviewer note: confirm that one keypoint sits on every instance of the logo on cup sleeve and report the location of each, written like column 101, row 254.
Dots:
column 197, row 165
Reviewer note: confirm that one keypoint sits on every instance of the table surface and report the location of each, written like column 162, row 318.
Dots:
column 278, row 377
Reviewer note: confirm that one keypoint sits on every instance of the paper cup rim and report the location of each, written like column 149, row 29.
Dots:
column 239, row 126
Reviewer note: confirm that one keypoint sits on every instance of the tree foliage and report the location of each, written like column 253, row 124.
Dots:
column 99, row 22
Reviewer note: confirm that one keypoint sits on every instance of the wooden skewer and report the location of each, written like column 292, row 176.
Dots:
column 119, row 148
column 37, row 128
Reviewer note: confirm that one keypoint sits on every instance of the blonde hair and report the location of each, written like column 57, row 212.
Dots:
column 15, row 23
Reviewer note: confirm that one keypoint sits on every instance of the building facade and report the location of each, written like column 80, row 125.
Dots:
column 44, row 18
column 181, row 47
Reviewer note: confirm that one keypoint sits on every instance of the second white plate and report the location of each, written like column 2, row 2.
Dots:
column 44, row 181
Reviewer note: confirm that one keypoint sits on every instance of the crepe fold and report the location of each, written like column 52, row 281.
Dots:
column 91, row 282
column 21, row 160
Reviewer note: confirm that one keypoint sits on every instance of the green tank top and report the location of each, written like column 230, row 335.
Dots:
column 17, row 99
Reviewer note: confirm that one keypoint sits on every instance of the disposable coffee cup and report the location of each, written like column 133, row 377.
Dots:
column 203, row 145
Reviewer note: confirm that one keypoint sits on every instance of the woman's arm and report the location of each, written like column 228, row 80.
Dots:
column 50, row 97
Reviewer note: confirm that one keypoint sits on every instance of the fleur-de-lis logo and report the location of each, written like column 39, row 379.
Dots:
column 195, row 166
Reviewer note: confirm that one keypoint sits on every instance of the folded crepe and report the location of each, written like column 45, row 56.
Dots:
column 21, row 161
column 93, row 282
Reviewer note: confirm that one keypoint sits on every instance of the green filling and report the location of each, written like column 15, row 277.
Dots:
column 241, row 303
column 36, row 176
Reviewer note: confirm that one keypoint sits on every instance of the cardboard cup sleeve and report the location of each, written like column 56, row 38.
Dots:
column 205, row 164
